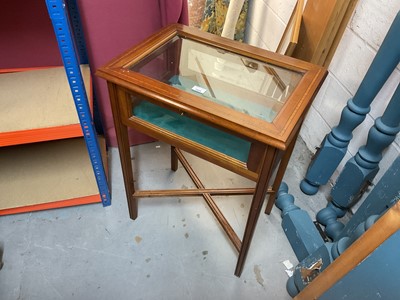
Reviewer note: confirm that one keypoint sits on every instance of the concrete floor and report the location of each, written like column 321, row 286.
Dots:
column 174, row 250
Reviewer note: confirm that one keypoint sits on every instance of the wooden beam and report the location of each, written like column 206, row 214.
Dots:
column 237, row 243
column 192, row 192
column 322, row 27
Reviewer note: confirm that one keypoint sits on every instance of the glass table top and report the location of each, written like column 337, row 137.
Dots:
column 246, row 85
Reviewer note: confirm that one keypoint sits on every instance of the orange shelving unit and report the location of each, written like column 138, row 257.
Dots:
column 43, row 157
column 44, row 161
column 36, row 106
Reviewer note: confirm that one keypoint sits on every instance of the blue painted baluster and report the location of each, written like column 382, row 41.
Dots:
column 385, row 193
column 313, row 265
column 365, row 164
column 342, row 244
column 361, row 168
column 334, row 146
column 328, row 217
column 285, row 201
column 297, row 225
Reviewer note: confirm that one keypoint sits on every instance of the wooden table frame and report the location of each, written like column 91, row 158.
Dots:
column 271, row 143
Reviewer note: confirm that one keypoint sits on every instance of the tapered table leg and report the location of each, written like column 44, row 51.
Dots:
column 123, row 147
column 256, row 205
column 174, row 159
column 279, row 175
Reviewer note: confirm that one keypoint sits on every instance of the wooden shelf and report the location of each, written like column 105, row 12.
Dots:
column 44, row 161
column 46, row 175
column 37, row 105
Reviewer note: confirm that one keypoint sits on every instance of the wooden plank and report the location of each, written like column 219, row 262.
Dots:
column 36, row 105
column 230, row 232
column 48, row 174
column 192, row 192
column 320, row 24
column 290, row 36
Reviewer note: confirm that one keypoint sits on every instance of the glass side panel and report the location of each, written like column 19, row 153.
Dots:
column 191, row 129
column 238, row 82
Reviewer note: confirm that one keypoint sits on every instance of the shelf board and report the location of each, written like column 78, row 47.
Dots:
column 37, row 105
column 46, row 175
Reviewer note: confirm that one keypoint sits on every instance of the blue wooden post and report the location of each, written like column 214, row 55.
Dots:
column 384, row 194
column 328, row 217
column 376, row 277
column 321, row 258
column 309, row 268
column 361, row 168
column 297, row 225
column 334, row 146
column 345, row 242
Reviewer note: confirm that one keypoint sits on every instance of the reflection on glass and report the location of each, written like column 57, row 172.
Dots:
column 238, row 82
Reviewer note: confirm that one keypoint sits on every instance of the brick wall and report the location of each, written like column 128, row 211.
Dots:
column 361, row 40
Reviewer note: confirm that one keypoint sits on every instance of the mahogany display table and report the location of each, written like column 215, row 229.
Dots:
column 231, row 104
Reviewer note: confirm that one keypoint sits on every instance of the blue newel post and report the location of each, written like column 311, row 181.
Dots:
column 318, row 261
column 315, row 255
column 361, row 168
column 345, row 242
column 334, row 146
column 297, row 225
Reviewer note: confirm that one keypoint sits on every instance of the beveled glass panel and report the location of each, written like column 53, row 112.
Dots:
column 246, row 85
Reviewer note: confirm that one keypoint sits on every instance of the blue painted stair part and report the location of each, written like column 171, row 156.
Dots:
column 377, row 277
column 345, row 242
column 334, row 146
column 328, row 217
column 385, row 194
column 310, row 267
column 297, row 225
column 362, row 168
column 62, row 29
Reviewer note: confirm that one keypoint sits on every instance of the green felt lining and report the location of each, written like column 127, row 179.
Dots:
column 193, row 130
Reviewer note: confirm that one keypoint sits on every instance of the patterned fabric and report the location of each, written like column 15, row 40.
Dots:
column 214, row 18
